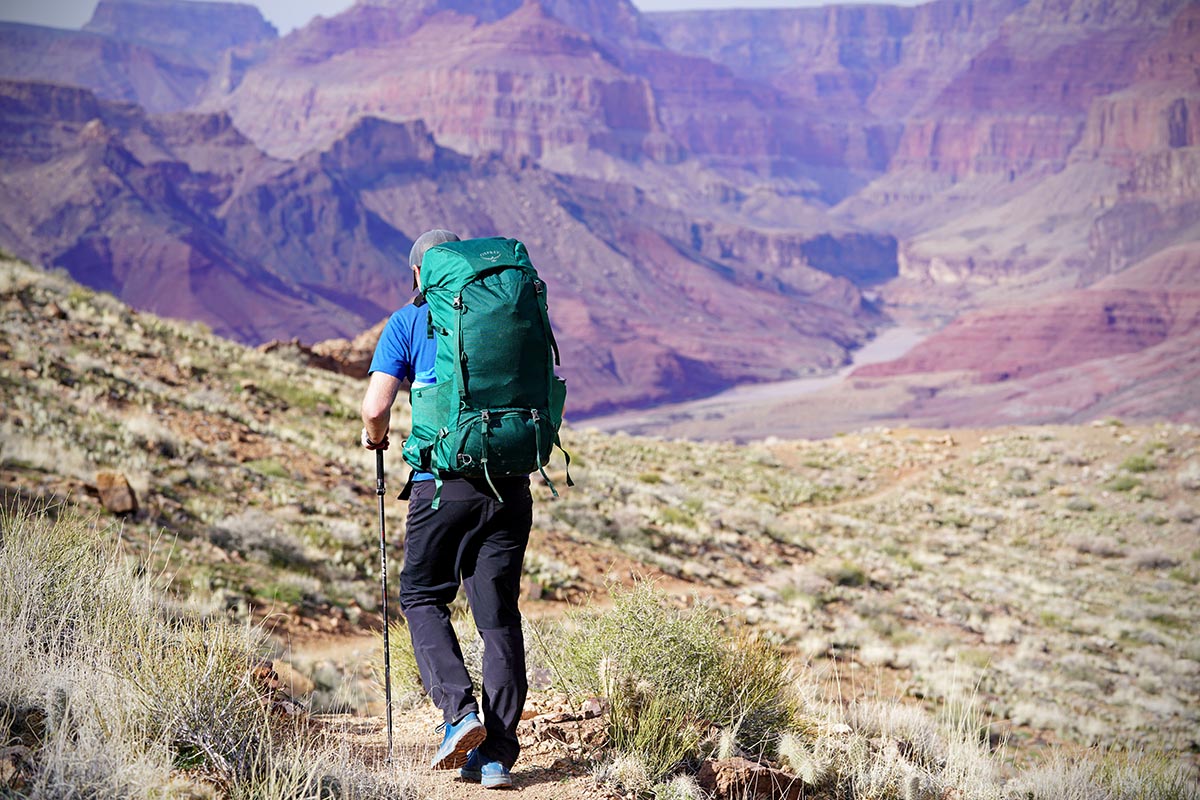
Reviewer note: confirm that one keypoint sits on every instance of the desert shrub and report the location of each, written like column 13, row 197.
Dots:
column 669, row 675
column 1093, row 544
column 1123, row 483
column 1139, row 464
column 1080, row 504
column 1153, row 558
column 149, row 432
column 848, row 575
column 681, row 787
column 625, row 772
column 118, row 694
column 269, row 467
column 260, row 537
column 551, row 575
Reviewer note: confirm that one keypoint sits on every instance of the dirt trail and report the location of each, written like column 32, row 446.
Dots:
column 546, row 771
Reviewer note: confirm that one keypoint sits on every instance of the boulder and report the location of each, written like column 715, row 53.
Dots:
column 746, row 780
column 116, row 494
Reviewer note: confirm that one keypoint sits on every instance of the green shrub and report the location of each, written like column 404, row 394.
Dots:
column 1080, row 504
column 677, row 516
column 268, row 467
column 669, row 676
column 1139, row 464
column 1122, row 483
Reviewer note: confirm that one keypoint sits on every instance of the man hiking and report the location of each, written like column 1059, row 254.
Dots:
column 471, row 531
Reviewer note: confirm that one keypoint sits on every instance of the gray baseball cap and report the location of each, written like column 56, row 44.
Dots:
column 427, row 240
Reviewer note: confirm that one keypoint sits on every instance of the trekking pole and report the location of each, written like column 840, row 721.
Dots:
column 387, row 650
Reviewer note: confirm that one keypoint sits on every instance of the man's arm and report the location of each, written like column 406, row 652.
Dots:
column 377, row 409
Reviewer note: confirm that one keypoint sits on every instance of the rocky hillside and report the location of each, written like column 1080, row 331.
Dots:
column 1049, row 571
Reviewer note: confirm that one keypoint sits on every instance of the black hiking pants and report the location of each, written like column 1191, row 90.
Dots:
column 474, row 539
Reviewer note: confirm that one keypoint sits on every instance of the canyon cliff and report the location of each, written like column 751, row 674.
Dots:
column 714, row 197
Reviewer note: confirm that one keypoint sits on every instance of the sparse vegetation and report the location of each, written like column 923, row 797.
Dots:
column 116, row 693
column 664, row 670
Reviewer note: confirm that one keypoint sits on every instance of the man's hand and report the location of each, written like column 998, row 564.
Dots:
column 370, row 445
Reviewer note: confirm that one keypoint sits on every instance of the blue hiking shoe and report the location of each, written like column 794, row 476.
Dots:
column 460, row 739
column 493, row 775
column 471, row 770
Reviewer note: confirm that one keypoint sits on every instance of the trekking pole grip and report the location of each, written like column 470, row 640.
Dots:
column 379, row 487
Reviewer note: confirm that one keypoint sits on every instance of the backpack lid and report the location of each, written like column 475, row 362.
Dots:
column 452, row 265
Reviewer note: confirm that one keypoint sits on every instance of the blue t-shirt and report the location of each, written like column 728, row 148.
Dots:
column 406, row 352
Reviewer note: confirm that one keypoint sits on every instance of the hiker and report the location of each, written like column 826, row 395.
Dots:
column 458, row 529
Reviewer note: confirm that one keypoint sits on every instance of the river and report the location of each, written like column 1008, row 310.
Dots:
column 890, row 344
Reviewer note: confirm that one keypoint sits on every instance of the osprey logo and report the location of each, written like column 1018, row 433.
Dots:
column 491, row 255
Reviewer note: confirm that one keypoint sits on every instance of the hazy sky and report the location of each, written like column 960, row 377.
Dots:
column 288, row 14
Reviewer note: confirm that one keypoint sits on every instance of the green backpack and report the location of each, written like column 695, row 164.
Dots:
column 497, row 405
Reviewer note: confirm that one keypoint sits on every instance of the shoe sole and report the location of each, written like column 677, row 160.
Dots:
column 502, row 783
column 469, row 740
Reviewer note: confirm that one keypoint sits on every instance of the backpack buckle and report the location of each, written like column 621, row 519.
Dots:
column 485, row 416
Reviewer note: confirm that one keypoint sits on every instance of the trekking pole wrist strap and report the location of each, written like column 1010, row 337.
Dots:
column 371, row 442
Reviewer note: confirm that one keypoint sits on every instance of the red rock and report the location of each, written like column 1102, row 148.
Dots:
column 352, row 357
column 741, row 779
column 1126, row 348
column 116, row 494
column 523, row 84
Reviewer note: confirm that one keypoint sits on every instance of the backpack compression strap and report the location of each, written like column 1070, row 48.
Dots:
column 537, row 443
column 437, row 487
column 484, row 418
column 566, row 457
column 540, row 288
column 458, row 346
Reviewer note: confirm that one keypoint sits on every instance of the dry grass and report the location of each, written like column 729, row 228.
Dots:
column 118, row 695
column 1106, row 776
